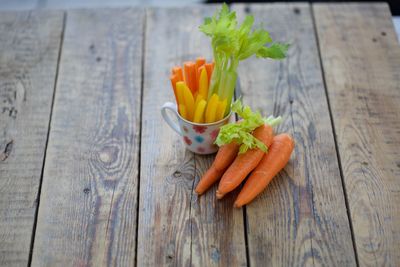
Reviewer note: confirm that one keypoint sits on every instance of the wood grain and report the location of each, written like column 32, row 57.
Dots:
column 361, row 61
column 29, row 48
column 175, row 227
column 87, row 213
column 300, row 219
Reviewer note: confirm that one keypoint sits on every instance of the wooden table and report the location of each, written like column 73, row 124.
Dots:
column 91, row 175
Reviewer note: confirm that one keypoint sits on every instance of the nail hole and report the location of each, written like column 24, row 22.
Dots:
column 247, row 9
column 383, row 33
column 98, row 59
column 296, row 11
column 86, row 190
column 291, row 101
column 177, row 174
column 374, row 40
column 91, row 47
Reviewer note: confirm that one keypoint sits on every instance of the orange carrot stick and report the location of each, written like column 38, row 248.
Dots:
column 174, row 79
column 273, row 162
column 245, row 163
column 200, row 61
column 209, row 68
column 190, row 76
column 226, row 154
column 178, row 71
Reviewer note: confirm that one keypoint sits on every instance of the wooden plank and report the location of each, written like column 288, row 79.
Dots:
column 361, row 61
column 300, row 219
column 18, row 5
column 29, row 48
column 87, row 213
column 176, row 228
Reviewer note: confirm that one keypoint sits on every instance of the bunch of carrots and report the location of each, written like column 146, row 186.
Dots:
column 190, row 87
column 234, row 166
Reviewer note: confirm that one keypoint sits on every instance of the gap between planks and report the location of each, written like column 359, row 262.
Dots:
column 346, row 200
column 47, row 140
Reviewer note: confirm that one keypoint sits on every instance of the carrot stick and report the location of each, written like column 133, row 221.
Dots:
column 273, row 162
column 182, row 111
column 211, row 108
column 199, row 111
column 220, row 110
column 178, row 71
column 209, row 68
column 226, row 154
column 245, row 163
column 200, row 61
column 179, row 92
column 174, row 79
column 197, row 101
column 190, row 76
column 203, row 82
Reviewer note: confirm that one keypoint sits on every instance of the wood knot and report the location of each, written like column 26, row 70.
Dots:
column 108, row 154
column 374, row 40
column 86, row 190
column 7, row 150
column 383, row 33
column 177, row 174
column 296, row 10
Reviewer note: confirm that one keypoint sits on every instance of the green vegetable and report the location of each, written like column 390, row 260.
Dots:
column 241, row 132
column 232, row 44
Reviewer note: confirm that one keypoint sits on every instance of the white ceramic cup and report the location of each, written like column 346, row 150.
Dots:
column 198, row 137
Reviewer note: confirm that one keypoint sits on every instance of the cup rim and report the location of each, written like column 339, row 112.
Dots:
column 204, row 124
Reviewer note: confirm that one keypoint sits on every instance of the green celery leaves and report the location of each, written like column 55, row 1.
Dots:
column 241, row 131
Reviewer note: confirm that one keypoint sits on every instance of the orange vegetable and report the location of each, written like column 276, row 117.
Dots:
column 245, row 163
column 203, row 82
column 220, row 110
column 190, row 76
column 185, row 97
column 174, row 79
column 200, row 61
column 182, row 111
column 198, row 116
column 211, row 109
column 209, row 68
column 178, row 71
column 226, row 154
column 273, row 162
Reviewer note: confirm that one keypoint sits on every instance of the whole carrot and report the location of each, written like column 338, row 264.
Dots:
column 245, row 163
column 226, row 154
column 274, row 161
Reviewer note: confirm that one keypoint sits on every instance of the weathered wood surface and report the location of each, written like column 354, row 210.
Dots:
column 300, row 220
column 175, row 227
column 361, row 61
column 29, row 47
column 88, row 204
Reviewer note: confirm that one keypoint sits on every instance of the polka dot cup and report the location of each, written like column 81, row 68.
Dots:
column 198, row 137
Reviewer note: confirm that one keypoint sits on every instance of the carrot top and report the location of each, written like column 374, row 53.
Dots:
column 241, row 132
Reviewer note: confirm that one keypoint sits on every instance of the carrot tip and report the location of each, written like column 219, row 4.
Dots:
column 219, row 195
column 236, row 205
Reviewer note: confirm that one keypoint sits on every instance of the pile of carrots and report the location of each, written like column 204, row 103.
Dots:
column 190, row 86
column 234, row 167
